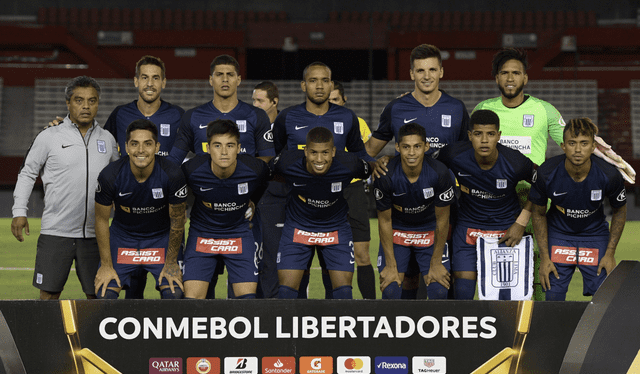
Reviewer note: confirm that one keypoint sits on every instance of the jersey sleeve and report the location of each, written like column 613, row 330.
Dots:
column 263, row 177
column 361, row 168
column 111, row 124
column 385, row 127
column 538, row 192
column 365, row 132
column 33, row 162
column 106, row 186
column 555, row 122
column 382, row 190
column 280, row 132
column 177, row 184
column 616, row 191
column 184, row 140
column 445, row 188
column 263, row 134
column 464, row 125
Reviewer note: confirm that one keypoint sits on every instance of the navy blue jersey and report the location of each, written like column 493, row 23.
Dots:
column 413, row 204
column 292, row 125
column 141, row 209
column 489, row 199
column 446, row 122
column 316, row 202
column 220, row 204
column 577, row 208
column 167, row 118
column 253, row 123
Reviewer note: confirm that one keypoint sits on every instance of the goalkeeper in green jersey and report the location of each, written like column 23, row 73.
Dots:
column 527, row 122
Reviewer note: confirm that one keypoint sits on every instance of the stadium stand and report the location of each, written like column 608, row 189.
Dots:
column 634, row 86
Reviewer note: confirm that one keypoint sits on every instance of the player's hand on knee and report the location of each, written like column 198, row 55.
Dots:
column 104, row 276
column 438, row 273
column 380, row 168
column 173, row 275
column 388, row 275
column 17, row 224
column 513, row 235
column 547, row 267
column 608, row 263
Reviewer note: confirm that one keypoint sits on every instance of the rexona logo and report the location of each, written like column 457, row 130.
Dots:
column 241, row 365
column 428, row 364
column 165, row 365
column 392, row 365
column 316, row 365
column 203, row 365
column 278, row 365
column 353, row 365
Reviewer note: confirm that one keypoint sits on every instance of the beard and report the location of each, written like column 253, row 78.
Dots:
column 511, row 96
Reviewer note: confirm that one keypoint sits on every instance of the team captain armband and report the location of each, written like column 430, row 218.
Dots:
column 574, row 256
column 474, row 234
column 147, row 256
column 227, row 246
column 315, row 238
column 422, row 239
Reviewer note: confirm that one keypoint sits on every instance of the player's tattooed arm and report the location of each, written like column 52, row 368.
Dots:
column 618, row 220
column 539, row 218
column 171, row 270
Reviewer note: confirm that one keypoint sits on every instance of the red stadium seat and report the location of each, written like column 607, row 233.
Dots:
column 355, row 16
column 446, row 20
column 487, row 21
column 198, row 19
column 467, row 21
column 94, row 18
column 560, row 19
column 581, row 19
column 52, row 16
column 220, row 16
column 395, row 19
column 498, row 21
column 507, row 21
column 147, row 19
column 405, row 21
column 241, row 21
column 592, row 20
column 436, row 21
column 345, row 16
column 209, row 20
column 415, row 21
column 518, row 21
column 386, row 17
column 529, row 21
column 548, row 24
column 333, row 16
column 231, row 20
column 63, row 17
column 282, row 16
column 74, row 18
column 42, row 16
column 477, row 21
column 539, row 20
column 272, row 16
column 377, row 16
column 571, row 19
column 364, row 17
column 187, row 19
column 425, row 23
column 456, row 20
column 116, row 19
column 105, row 19
column 262, row 17
column 156, row 19
column 126, row 19
column 251, row 16
column 178, row 19
column 83, row 20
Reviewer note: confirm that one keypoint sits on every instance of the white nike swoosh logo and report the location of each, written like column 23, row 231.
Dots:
column 205, row 189
column 410, row 120
column 352, row 262
column 463, row 175
column 255, row 273
column 203, row 127
column 443, row 261
column 399, row 194
column 124, row 194
column 301, row 127
column 298, row 185
column 558, row 194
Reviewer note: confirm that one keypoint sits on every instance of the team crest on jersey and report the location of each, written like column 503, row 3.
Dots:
column 102, row 146
column 378, row 194
column 338, row 128
column 165, row 129
column 428, row 192
column 336, row 186
column 242, row 125
column 527, row 120
column 157, row 193
column 596, row 195
column 243, row 188
column 446, row 120
column 501, row 183
column 622, row 196
column 182, row 192
column 447, row 195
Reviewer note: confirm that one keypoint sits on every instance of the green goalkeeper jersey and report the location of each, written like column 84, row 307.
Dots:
column 527, row 127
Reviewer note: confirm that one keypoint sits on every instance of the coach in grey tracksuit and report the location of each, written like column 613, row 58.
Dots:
column 68, row 158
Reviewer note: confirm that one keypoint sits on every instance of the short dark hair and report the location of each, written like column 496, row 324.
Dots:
column 504, row 55
column 338, row 86
column 313, row 64
column 319, row 134
column 224, row 60
column 580, row 126
column 142, row 124
column 270, row 88
column 81, row 81
column 150, row 60
column 221, row 127
column 412, row 129
column 424, row 51
column 484, row 117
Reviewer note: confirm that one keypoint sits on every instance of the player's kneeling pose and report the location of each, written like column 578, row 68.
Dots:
column 413, row 201
column 574, row 232
column 149, row 195
column 316, row 212
column 225, row 185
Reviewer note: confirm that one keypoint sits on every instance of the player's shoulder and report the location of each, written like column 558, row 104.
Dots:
column 172, row 107
column 104, row 134
column 252, row 162
column 189, row 166
column 450, row 100
column 114, row 168
column 489, row 104
column 287, row 111
column 169, row 167
column 510, row 153
column 551, row 164
column 435, row 165
column 128, row 106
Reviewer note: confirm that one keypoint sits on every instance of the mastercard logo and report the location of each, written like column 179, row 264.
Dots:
column 353, row 364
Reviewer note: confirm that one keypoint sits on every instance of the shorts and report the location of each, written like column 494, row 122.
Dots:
column 54, row 257
column 411, row 255
column 296, row 249
column 239, row 254
column 464, row 255
column 358, row 215
column 130, row 255
column 563, row 254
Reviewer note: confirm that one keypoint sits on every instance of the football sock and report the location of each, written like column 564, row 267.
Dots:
column 247, row 296
column 166, row 293
column 304, row 284
column 555, row 296
column 464, row 289
column 436, row 291
column 110, row 294
column 367, row 282
column 409, row 294
column 342, row 292
column 328, row 287
column 286, row 292
column 392, row 291
column 211, row 292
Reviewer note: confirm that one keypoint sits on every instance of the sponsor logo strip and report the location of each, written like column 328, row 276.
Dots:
column 147, row 256
column 219, row 246
column 474, row 234
column 573, row 256
column 315, row 238
column 413, row 238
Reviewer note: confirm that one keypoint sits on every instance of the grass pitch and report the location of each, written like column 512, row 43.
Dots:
column 17, row 260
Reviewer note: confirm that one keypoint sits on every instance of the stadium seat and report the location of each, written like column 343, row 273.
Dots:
column 198, row 19
column 187, row 19
column 364, row 17
column 548, row 24
column 529, row 21
column 74, row 18
column 63, row 17
column 355, row 17
column 581, row 19
column 436, row 21
column 518, row 21
column 84, row 18
column 377, row 16
column 147, row 20
column 416, row 17
column 467, row 21
column 498, row 21
column 209, row 19
column 456, row 20
column 116, row 19
column 592, row 19
column 425, row 23
column 333, row 16
column 220, row 16
column 261, row 17
column 94, row 18
column 231, row 20
column 105, row 19
column 477, row 21
column 405, row 21
column 539, row 20
column 487, row 21
column 571, row 19
column 446, row 20
column 42, row 16
column 251, row 16
column 282, row 16
column 52, row 16
column 507, row 23
column 178, row 19
column 345, row 16
column 156, row 19
column 386, row 17
column 395, row 19
column 241, row 20
column 126, row 19
column 560, row 19
column 136, row 19
column 272, row 17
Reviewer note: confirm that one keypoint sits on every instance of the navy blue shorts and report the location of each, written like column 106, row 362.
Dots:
column 464, row 255
column 583, row 254
column 421, row 254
